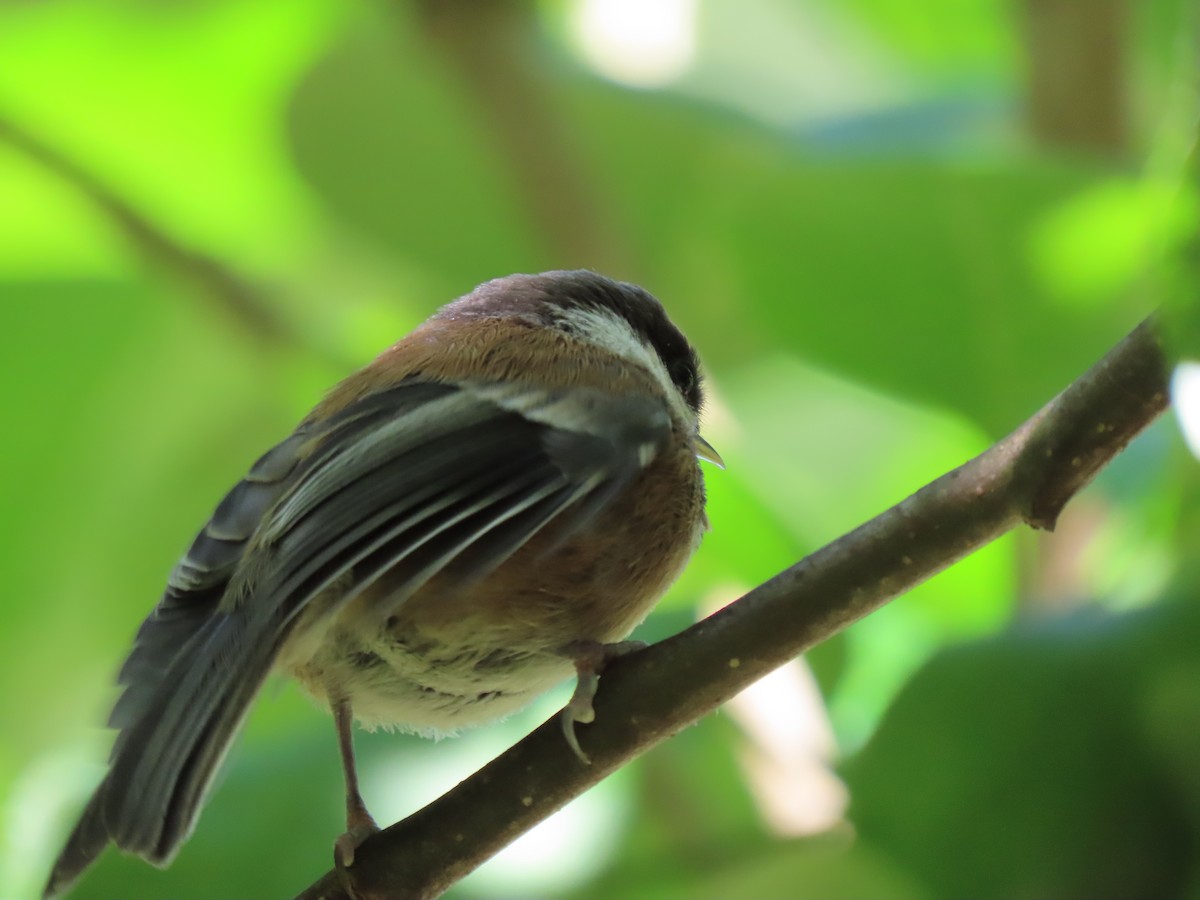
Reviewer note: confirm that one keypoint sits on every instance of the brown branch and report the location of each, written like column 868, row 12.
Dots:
column 1075, row 73
column 492, row 46
column 235, row 295
column 649, row 696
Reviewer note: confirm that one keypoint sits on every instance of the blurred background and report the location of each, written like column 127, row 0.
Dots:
column 893, row 231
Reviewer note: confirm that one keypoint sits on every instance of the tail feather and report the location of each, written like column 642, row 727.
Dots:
column 172, row 741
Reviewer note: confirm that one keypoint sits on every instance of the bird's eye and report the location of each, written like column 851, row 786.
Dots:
column 683, row 374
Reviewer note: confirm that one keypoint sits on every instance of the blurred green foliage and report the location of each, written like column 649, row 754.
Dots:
column 210, row 210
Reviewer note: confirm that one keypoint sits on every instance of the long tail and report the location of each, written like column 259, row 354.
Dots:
column 177, row 722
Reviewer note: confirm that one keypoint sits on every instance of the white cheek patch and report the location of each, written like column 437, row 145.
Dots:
column 614, row 334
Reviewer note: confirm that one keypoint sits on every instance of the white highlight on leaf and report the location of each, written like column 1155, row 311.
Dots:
column 1185, row 393
column 642, row 43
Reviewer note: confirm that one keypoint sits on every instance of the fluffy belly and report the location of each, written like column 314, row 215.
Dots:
column 424, row 686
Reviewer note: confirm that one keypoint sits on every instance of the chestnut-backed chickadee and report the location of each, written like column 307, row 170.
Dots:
column 496, row 499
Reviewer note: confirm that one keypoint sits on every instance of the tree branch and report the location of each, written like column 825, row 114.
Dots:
column 1076, row 85
column 491, row 45
column 649, row 696
column 233, row 294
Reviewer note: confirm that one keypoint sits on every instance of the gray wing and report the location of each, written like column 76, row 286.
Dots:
column 416, row 480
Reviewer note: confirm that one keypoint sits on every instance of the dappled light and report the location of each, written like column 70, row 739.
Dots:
column 892, row 232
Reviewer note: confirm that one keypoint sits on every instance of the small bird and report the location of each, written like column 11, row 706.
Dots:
column 493, row 503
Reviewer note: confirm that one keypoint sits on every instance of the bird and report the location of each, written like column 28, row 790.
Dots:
column 488, row 507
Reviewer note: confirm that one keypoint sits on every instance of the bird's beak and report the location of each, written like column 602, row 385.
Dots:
column 706, row 451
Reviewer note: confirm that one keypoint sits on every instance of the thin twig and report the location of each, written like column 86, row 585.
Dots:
column 649, row 696
column 247, row 305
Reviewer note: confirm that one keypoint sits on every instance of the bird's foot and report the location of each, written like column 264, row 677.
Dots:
column 357, row 831
column 590, row 658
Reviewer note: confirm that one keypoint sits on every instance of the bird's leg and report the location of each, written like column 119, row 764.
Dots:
column 359, row 824
column 590, row 658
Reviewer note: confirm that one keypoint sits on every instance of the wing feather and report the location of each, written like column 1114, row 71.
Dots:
column 415, row 480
